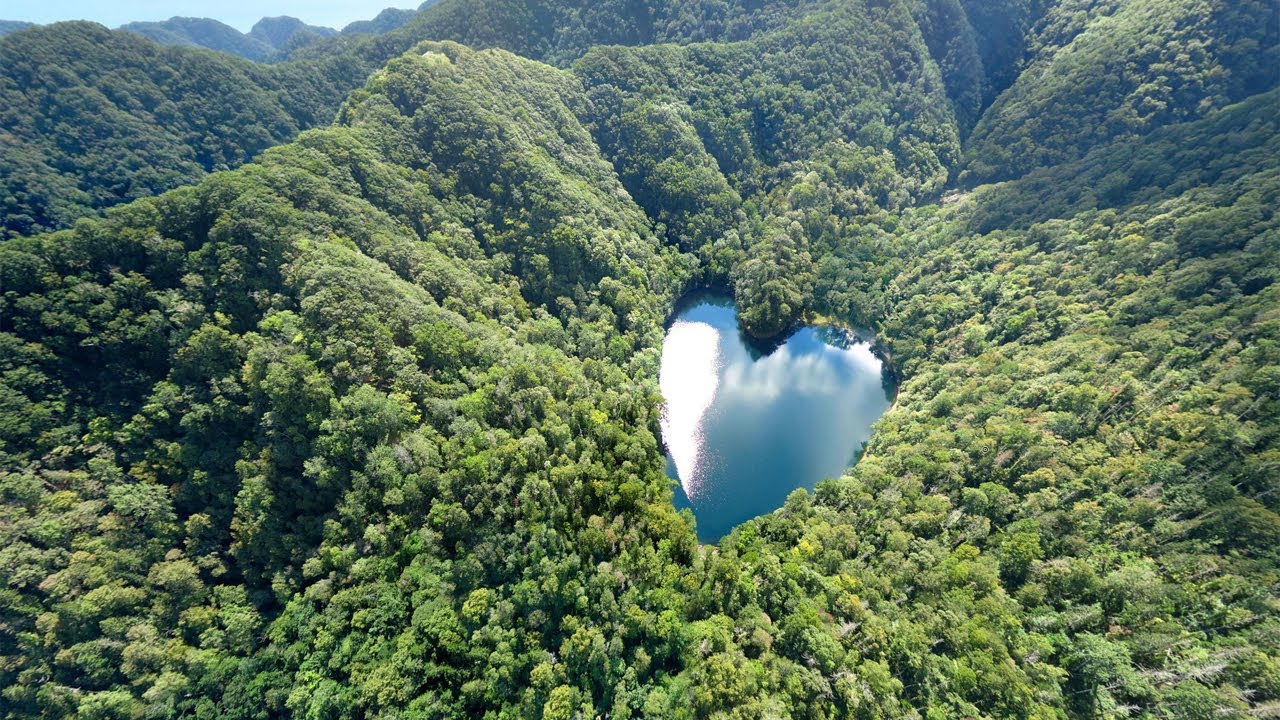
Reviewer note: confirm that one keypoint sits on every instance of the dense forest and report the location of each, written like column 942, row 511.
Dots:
column 328, row 388
column 135, row 134
column 93, row 117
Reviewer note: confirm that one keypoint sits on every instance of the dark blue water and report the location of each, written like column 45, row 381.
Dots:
column 745, row 426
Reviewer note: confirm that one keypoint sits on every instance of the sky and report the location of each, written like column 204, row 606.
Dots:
column 240, row 14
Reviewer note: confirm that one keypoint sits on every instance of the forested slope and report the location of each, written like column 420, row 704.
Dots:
column 391, row 266
column 847, row 95
column 133, row 135
column 91, row 117
column 128, row 140
column 385, row 21
column 368, row 427
column 1141, row 66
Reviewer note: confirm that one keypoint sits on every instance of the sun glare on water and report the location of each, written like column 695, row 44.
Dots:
column 690, row 378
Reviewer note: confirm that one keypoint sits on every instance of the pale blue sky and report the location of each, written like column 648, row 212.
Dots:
column 240, row 14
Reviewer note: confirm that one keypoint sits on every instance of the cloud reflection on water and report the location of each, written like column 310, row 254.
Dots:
column 744, row 430
column 820, row 370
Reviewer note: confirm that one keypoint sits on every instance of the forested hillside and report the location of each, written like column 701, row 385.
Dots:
column 385, row 21
column 92, row 117
column 131, row 141
column 368, row 426
column 135, row 134
column 1181, row 60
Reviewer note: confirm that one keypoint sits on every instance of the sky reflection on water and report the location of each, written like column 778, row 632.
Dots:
column 743, row 429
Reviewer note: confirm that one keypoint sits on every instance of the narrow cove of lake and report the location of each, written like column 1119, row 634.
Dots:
column 745, row 426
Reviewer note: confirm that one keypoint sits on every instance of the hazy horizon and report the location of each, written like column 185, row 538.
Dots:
column 240, row 14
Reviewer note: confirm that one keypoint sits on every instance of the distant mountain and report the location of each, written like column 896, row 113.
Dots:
column 205, row 33
column 286, row 32
column 270, row 36
column 385, row 21
column 8, row 26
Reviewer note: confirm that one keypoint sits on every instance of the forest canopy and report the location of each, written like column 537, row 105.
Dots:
column 364, row 424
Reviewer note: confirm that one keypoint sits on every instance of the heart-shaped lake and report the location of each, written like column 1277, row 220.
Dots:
column 745, row 427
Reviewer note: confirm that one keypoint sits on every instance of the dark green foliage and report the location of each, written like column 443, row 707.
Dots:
column 954, row 45
column 1002, row 30
column 1225, row 146
column 1114, row 378
column 131, row 144
column 92, row 117
column 354, row 331
column 559, row 31
column 368, row 427
column 816, row 124
column 1148, row 64
column 131, row 141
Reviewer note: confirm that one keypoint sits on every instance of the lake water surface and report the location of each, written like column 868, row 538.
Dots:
column 745, row 426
